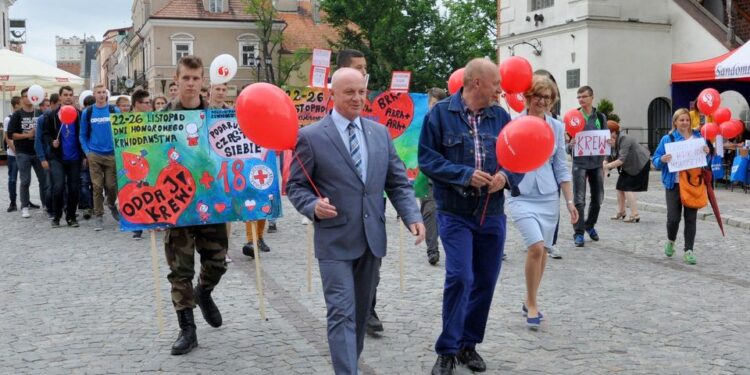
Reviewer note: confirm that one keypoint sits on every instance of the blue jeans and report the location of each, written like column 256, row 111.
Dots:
column 473, row 256
column 12, row 179
column 25, row 162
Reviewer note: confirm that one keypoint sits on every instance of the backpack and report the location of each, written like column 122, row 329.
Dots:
column 693, row 191
column 89, row 111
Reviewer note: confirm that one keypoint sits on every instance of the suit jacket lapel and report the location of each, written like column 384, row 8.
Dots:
column 335, row 137
column 369, row 140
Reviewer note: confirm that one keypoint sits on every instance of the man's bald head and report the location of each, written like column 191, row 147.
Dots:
column 346, row 74
column 481, row 83
column 478, row 69
column 348, row 91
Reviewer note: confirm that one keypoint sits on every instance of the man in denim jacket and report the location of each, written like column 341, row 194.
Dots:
column 457, row 152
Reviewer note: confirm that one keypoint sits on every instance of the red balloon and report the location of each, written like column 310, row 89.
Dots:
column 709, row 101
column 709, row 131
column 67, row 114
column 525, row 144
column 728, row 129
column 574, row 122
column 516, row 101
column 739, row 124
column 515, row 74
column 267, row 116
column 722, row 115
column 456, row 81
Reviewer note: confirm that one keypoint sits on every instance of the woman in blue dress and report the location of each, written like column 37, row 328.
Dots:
column 535, row 206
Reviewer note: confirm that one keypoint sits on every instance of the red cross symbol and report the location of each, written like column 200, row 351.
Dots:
column 260, row 176
column 206, row 180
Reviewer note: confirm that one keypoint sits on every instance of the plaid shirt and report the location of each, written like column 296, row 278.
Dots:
column 474, row 120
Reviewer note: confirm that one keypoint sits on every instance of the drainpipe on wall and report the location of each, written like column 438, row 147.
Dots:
column 730, row 25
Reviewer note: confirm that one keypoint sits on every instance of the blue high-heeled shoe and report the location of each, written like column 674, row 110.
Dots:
column 525, row 312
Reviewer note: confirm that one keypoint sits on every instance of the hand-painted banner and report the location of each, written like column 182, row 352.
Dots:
column 186, row 168
column 311, row 103
column 402, row 113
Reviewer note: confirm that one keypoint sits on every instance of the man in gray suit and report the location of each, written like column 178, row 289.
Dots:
column 351, row 161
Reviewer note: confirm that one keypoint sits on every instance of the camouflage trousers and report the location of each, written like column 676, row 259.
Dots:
column 180, row 245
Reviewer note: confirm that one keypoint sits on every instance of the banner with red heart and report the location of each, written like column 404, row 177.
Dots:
column 159, row 204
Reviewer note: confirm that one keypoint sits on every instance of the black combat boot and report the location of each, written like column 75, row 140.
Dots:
column 187, row 340
column 208, row 307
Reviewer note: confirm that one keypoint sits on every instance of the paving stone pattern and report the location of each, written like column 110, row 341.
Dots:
column 76, row 301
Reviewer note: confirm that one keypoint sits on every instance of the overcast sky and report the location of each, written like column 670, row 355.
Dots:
column 47, row 18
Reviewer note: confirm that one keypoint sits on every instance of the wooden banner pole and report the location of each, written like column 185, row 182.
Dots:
column 258, row 272
column 157, row 284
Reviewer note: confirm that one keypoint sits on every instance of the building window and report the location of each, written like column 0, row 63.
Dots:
column 249, row 45
column 248, row 52
column 182, row 45
column 216, row 6
column 540, row 4
column 181, row 50
column 573, row 78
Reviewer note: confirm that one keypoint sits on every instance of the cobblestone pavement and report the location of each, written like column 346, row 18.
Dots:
column 79, row 301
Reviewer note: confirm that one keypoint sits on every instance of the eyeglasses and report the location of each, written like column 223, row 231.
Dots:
column 543, row 97
column 583, row 96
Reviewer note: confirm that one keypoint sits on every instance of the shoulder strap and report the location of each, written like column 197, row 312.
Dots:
column 671, row 137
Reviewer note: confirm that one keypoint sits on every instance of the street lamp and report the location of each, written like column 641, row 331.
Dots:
column 255, row 63
column 258, row 64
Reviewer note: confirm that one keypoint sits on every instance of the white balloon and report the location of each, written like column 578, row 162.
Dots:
column 83, row 96
column 35, row 94
column 223, row 69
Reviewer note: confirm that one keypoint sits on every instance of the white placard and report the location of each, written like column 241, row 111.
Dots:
column 592, row 143
column 686, row 154
column 319, row 76
column 321, row 57
column 719, row 146
column 400, row 81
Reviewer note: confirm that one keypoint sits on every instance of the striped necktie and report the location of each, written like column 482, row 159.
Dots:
column 354, row 148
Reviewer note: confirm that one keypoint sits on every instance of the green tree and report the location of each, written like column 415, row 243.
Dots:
column 414, row 35
column 606, row 107
column 271, row 35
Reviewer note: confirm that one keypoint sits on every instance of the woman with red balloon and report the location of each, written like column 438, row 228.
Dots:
column 681, row 131
column 535, row 205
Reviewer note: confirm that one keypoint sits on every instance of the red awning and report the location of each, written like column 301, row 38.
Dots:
column 697, row 71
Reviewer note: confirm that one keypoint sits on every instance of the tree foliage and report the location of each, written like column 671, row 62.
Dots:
column 266, row 17
column 415, row 35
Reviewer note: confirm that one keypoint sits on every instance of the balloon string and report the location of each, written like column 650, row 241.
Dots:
column 487, row 201
column 307, row 175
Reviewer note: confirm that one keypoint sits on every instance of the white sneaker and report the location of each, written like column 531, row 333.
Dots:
column 305, row 220
column 25, row 213
column 227, row 259
column 554, row 252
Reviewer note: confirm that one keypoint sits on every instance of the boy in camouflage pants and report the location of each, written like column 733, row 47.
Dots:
column 210, row 241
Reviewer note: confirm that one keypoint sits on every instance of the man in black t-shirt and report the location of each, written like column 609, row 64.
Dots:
column 22, row 129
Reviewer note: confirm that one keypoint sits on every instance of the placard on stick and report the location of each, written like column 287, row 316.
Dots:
column 400, row 81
